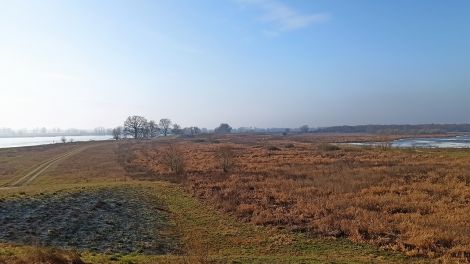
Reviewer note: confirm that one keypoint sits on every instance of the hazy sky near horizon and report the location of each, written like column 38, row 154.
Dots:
column 264, row 63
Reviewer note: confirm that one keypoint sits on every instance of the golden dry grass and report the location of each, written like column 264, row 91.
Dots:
column 414, row 201
column 209, row 236
column 37, row 255
column 96, row 163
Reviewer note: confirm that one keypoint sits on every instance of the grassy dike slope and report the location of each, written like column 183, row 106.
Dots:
column 204, row 235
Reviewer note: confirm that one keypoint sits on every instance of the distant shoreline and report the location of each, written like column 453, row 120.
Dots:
column 55, row 135
column 17, row 142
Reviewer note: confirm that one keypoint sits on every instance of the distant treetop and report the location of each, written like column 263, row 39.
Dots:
column 223, row 129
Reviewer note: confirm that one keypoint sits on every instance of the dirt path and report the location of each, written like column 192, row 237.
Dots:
column 40, row 168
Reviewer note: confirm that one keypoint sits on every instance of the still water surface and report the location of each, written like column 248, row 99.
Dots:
column 450, row 142
column 447, row 142
column 35, row 141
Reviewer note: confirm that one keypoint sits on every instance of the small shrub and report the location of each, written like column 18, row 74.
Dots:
column 273, row 148
column 384, row 145
column 289, row 145
column 246, row 210
column 173, row 158
column 328, row 147
column 225, row 155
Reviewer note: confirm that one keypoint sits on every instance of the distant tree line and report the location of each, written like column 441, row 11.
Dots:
column 398, row 129
column 138, row 127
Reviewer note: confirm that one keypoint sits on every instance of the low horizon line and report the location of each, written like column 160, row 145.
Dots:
column 61, row 130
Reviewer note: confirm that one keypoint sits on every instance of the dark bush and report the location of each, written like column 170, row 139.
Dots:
column 273, row 148
column 328, row 147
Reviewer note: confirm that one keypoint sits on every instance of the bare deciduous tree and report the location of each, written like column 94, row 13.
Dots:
column 304, row 129
column 165, row 124
column 176, row 129
column 145, row 132
column 134, row 126
column 117, row 133
column 195, row 130
column 286, row 131
column 223, row 129
column 191, row 131
column 153, row 129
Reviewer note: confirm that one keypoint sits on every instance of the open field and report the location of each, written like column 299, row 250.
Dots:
column 200, row 234
column 16, row 162
column 298, row 199
column 416, row 201
column 96, row 163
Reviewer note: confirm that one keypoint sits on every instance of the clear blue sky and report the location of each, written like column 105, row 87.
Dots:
column 264, row 63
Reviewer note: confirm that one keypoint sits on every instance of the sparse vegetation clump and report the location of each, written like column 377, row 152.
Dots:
column 328, row 147
column 273, row 148
column 225, row 155
column 384, row 145
column 173, row 158
column 289, row 145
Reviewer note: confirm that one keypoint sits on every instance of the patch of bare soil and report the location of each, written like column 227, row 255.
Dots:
column 112, row 220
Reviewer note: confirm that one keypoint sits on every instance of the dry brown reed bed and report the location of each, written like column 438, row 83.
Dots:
column 414, row 201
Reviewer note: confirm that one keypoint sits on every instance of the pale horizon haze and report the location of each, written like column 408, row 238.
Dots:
column 263, row 63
